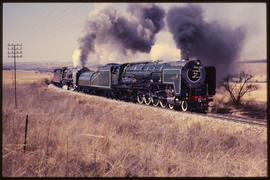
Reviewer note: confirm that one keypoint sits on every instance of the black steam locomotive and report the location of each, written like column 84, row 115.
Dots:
column 184, row 85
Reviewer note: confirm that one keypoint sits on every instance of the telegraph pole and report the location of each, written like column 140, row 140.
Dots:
column 13, row 52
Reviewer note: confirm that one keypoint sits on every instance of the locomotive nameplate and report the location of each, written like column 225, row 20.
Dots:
column 194, row 73
column 173, row 76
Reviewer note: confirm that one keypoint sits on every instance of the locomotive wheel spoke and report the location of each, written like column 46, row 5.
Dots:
column 163, row 103
column 155, row 101
column 171, row 106
column 147, row 99
column 184, row 106
column 140, row 98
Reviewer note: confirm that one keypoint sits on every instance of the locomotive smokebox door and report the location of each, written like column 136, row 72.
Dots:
column 193, row 74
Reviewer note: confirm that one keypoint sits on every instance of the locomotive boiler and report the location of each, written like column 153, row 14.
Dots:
column 184, row 85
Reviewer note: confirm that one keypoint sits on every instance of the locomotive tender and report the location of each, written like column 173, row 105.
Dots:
column 187, row 85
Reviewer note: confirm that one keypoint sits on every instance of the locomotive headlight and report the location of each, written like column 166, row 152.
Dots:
column 199, row 100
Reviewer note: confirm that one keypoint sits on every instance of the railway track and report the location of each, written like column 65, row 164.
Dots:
column 237, row 119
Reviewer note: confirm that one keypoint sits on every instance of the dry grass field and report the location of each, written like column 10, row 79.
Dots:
column 77, row 135
column 259, row 95
column 24, row 76
column 254, row 104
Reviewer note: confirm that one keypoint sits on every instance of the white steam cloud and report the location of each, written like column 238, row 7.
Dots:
column 162, row 51
column 76, row 57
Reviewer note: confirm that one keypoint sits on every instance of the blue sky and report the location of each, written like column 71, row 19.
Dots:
column 50, row 31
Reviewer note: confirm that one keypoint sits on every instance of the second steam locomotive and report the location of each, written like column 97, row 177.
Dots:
column 184, row 85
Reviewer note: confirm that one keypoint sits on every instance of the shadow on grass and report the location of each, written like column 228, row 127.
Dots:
column 253, row 110
column 222, row 108
column 249, row 109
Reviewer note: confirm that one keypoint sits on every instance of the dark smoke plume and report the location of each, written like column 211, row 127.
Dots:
column 133, row 30
column 87, row 46
column 213, row 43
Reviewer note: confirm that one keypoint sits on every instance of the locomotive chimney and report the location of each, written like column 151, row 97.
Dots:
column 184, row 55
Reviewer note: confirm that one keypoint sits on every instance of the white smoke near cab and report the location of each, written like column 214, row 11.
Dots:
column 76, row 57
column 161, row 51
column 107, row 53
